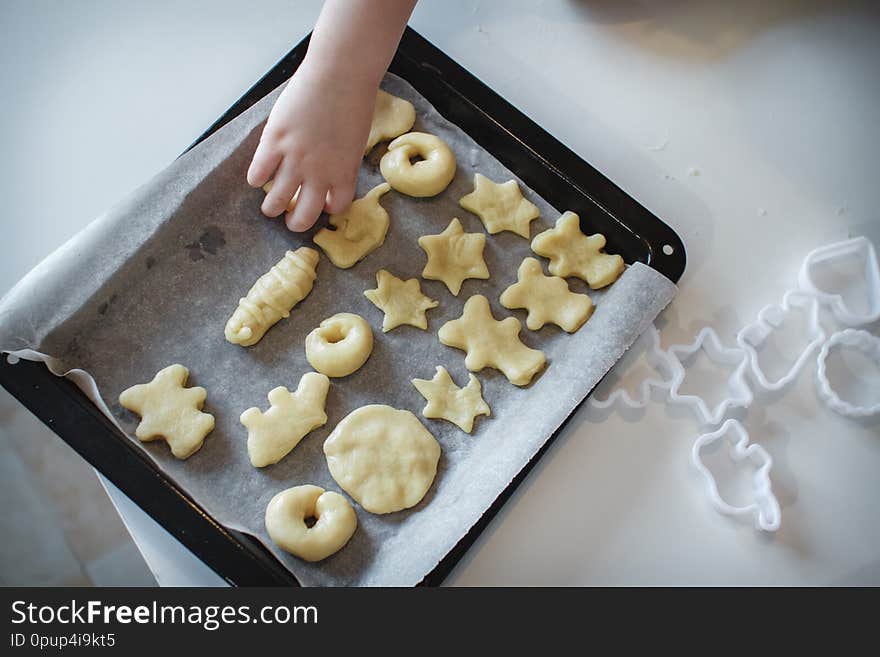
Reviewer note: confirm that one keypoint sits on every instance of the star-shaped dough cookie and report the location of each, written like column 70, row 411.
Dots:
column 401, row 301
column 572, row 253
column 547, row 298
column 491, row 343
column 500, row 206
column 170, row 411
column 360, row 229
column 454, row 256
column 392, row 116
column 447, row 401
column 291, row 415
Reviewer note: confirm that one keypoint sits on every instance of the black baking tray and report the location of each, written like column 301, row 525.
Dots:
column 542, row 162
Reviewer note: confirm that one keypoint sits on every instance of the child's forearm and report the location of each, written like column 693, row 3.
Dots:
column 356, row 39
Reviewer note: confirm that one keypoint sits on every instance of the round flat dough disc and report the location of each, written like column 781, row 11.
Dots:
column 383, row 457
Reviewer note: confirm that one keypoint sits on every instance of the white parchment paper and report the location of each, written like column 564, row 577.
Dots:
column 153, row 282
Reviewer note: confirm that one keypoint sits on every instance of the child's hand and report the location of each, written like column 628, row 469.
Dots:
column 313, row 142
column 316, row 133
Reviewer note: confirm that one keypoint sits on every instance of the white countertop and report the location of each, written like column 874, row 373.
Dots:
column 751, row 129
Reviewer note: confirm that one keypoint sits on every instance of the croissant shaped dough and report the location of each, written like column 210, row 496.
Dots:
column 392, row 116
column 360, row 230
column 273, row 296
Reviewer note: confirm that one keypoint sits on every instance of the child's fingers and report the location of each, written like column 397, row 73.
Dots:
column 263, row 165
column 340, row 197
column 308, row 206
column 287, row 180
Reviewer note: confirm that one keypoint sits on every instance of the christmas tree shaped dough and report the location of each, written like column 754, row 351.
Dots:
column 447, row 401
column 454, row 256
column 490, row 343
column 572, row 253
column 401, row 301
column 383, row 457
column 170, row 411
column 392, row 116
column 500, row 206
column 291, row 415
column 547, row 298
column 360, row 229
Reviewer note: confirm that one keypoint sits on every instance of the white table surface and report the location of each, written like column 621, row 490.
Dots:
column 750, row 128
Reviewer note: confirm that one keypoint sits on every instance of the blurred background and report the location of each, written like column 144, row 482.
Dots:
column 99, row 95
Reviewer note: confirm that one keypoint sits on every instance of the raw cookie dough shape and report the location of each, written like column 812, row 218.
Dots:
column 286, row 514
column 447, row 401
column 500, row 206
column 427, row 177
column 572, row 253
column 490, row 343
column 402, row 302
column 170, row 411
column 383, row 457
column 340, row 345
column 291, row 415
column 360, row 229
column 547, row 298
column 454, row 256
column 392, row 116
column 291, row 205
column 273, row 296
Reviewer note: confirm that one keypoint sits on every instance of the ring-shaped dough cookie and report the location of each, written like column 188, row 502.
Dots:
column 335, row 521
column 340, row 345
column 427, row 177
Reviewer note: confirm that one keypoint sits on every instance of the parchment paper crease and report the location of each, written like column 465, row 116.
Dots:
column 153, row 281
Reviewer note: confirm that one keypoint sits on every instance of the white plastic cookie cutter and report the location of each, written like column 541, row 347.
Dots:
column 857, row 339
column 753, row 336
column 649, row 341
column 859, row 247
column 740, row 394
column 764, row 507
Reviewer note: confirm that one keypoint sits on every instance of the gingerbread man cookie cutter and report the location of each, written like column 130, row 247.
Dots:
column 855, row 339
column 739, row 393
column 858, row 247
column 764, row 508
column 753, row 336
column 658, row 359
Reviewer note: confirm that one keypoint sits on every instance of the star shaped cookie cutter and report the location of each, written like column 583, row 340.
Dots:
column 753, row 336
column 658, row 359
column 765, row 507
column 740, row 394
